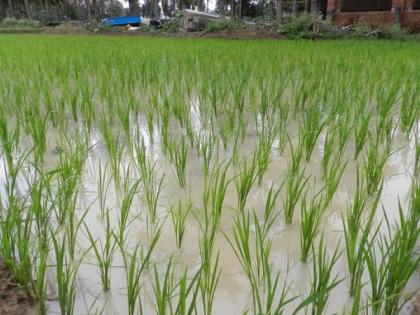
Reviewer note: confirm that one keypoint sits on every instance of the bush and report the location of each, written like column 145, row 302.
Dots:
column 9, row 21
column 175, row 24
column 299, row 27
column 394, row 32
column 222, row 25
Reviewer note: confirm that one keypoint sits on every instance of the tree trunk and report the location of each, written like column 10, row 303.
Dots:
column 88, row 9
column 27, row 9
column 279, row 12
column 10, row 8
column 134, row 7
column 307, row 6
column 294, row 8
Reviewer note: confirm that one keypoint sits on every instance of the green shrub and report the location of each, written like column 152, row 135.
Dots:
column 10, row 21
column 174, row 25
column 394, row 32
column 299, row 27
column 222, row 25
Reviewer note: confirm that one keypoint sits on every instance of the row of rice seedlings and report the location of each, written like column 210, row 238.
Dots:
column 215, row 187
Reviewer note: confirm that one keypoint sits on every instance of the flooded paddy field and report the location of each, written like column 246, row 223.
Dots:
column 170, row 176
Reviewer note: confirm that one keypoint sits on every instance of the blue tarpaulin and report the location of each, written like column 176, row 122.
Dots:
column 122, row 20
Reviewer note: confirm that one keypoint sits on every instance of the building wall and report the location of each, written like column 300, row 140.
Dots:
column 409, row 18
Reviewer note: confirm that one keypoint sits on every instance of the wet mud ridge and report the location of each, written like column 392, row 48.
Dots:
column 13, row 299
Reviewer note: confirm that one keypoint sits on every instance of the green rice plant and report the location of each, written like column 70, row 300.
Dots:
column 333, row 178
column 42, row 212
column 327, row 152
column 134, row 267
column 295, row 184
column 114, row 146
column 310, row 128
column 163, row 291
column 15, row 248
column 125, row 207
column 374, row 165
column 416, row 170
column 390, row 269
column 244, row 181
column 270, row 214
column 409, row 110
column 210, row 276
column 104, row 252
column 66, row 272
column 103, row 187
column 267, row 295
column 264, row 148
column 323, row 280
column 206, row 145
column 179, row 221
column 187, row 292
column 361, row 131
column 152, row 189
column 311, row 215
column 358, row 237
column 178, row 154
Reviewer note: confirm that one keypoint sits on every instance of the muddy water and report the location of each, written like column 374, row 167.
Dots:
column 233, row 292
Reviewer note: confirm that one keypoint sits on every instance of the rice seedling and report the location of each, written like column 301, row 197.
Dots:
column 179, row 221
column 373, row 166
column 361, row 131
column 123, row 220
column 66, row 272
column 135, row 264
column 311, row 127
column 311, row 214
column 333, row 178
column 409, row 111
column 295, row 184
column 163, row 291
column 178, row 155
column 263, row 151
column 104, row 252
column 359, row 237
column 323, row 280
column 244, row 181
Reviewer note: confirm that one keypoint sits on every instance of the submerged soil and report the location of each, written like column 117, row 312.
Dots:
column 13, row 299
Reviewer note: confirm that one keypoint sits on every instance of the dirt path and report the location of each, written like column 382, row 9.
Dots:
column 13, row 299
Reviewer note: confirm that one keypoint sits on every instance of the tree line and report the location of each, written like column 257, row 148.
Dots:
column 53, row 11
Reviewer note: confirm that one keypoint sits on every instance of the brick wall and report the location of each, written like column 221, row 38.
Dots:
column 410, row 19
